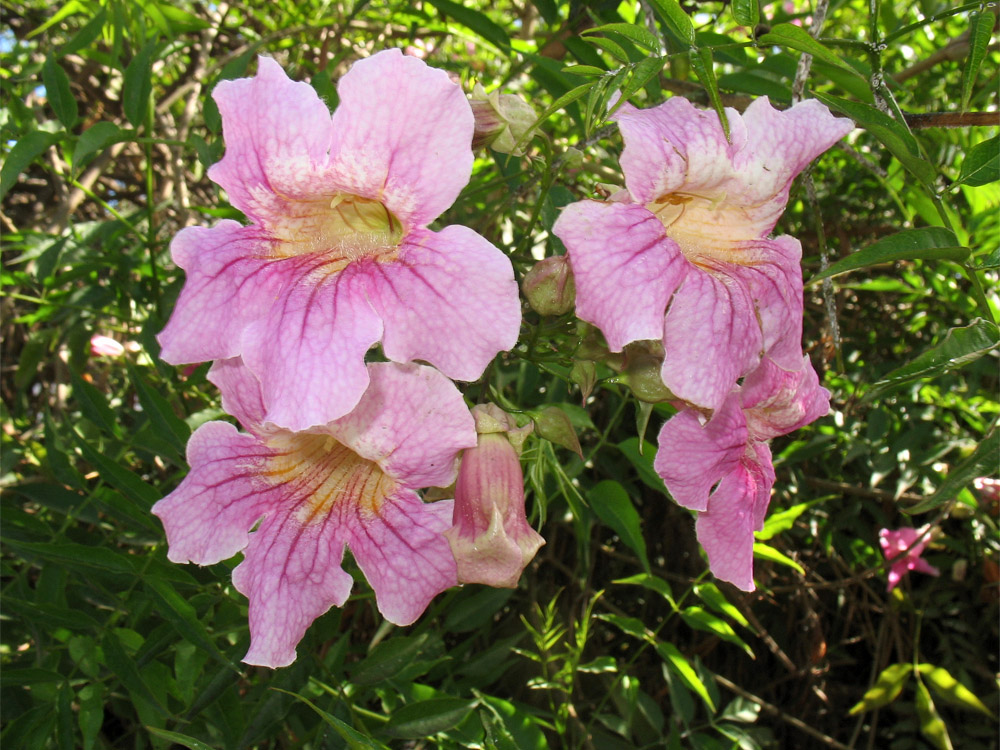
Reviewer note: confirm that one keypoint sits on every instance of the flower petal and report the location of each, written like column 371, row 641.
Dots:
column 772, row 273
column 780, row 144
column 676, row 147
column 692, row 457
column 230, row 283
column 725, row 531
column 778, row 401
column 402, row 135
column 208, row 517
column 412, row 421
column 404, row 554
column 241, row 393
column 624, row 267
column 711, row 339
column 291, row 574
column 277, row 135
column 308, row 352
column 449, row 299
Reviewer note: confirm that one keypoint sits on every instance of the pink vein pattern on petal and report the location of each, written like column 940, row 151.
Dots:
column 308, row 352
column 778, row 401
column 402, row 135
column 412, row 421
column 208, row 517
column 624, row 266
column 241, row 394
column 449, row 299
column 726, row 529
column 404, row 554
column 228, row 285
column 277, row 135
column 772, row 273
column 780, row 144
column 692, row 457
column 291, row 574
column 711, row 339
column 677, row 147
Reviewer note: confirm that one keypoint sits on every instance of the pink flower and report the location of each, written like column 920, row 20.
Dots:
column 721, row 467
column 686, row 258
column 351, row 483
column 103, row 346
column 490, row 536
column 895, row 543
column 338, row 256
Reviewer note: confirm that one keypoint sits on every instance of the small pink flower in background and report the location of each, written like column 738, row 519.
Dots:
column 729, row 453
column 337, row 257
column 896, row 542
column 687, row 258
column 351, row 483
column 490, row 536
column 104, row 346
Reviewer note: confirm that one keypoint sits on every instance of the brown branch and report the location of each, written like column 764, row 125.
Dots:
column 953, row 120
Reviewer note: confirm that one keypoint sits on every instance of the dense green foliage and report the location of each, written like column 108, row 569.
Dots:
column 617, row 636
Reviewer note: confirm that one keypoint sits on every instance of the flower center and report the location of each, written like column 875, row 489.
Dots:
column 706, row 228
column 342, row 228
column 325, row 475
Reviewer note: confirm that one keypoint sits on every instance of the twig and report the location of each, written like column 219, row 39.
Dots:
column 779, row 714
column 953, row 119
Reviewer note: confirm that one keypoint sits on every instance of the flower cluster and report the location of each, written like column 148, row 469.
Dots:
column 684, row 256
column 337, row 258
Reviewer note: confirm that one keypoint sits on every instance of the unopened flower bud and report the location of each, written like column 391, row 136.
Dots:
column 490, row 537
column 502, row 120
column 643, row 361
column 549, row 286
column 103, row 346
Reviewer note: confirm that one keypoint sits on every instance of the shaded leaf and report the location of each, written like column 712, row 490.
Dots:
column 746, row 13
column 387, row 658
column 613, row 506
column 138, row 84
column 475, row 21
column 427, row 718
column 982, row 462
column 797, row 38
column 980, row 31
column 981, row 165
column 178, row 738
column 676, row 19
column 354, row 739
column 28, row 148
column 59, row 93
column 926, row 243
column 95, row 138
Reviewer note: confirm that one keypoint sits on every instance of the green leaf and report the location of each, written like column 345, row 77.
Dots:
column 73, row 556
column 96, row 137
column 950, row 690
column 782, row 521
column 931, row 724
column 354, row 739
column 641, row 74
column 982, row 462
column 427, row 718
column 28, row 148
column 474, row 21
column 888, row 685
column 981, row 165
column 959, row 347
column 91, row 718
column 676, row 19
column 638, row 34
column 611, row 503
column 714, row 598
column 894, row 135
column 94, row 405
column 138, row 84
column 980, row 31
column 178, row 738
column 563, row 101
column 704, row 68
column 610, row 46
column 795, row 37
column 167, row 423
column 59, row 93
column 388, row 657
column 643, row 462
column 86, row 35
column 678, row 664
column 651, row 582
column 926, row 243
column 73, row 6
column 629, row 625
column 125, row 669
column 118, row 476
column 765, row 552
column 179, row 613
column 583, row 70
column 705, row 621
column 746, row 13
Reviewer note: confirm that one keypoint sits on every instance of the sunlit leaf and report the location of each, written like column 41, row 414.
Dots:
column 797, row 38
column 888, row 685
column 980, row 30
column 950, row 690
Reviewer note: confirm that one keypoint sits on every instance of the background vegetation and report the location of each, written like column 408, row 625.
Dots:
column 616, row 637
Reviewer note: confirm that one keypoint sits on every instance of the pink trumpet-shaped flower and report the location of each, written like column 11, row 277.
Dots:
column 338, row 256
column 351, row 483
column 899, row 548
column 721, row 467
column 685, row 257
column 490, row 536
